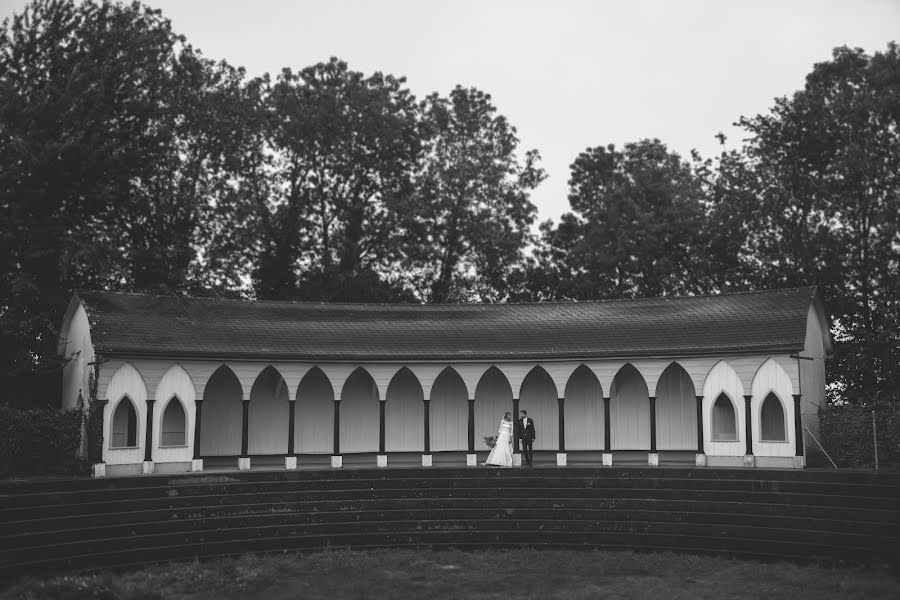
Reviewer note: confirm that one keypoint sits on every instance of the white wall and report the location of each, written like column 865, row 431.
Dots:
column 629, row 411
column 314, row 416
column 75, row 346
column 723, row 378
column 267, row 415
column 771, row 377
column 404, row 414
column 540, row 398
column 175, row 385
column 360, row 416
column 584, row 411
column 493, row 398
column 448, row 413
column 676, row 411
column 125, row 381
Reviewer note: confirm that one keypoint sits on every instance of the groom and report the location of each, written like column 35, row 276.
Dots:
column 527, row 434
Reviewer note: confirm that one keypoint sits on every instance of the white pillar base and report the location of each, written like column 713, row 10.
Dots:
column 426, row 460
column 290, row 463
column 607, row 459
column 196, row 465
column 244, row 463
column 517, row 460
column 700, row 460
column 560, row 459
column 799, row 462
column 337, row 462
column 749, row 460
column 147, row 467
column 653, row 459
column 381, row 460
column 98, row 470
column 471, row 460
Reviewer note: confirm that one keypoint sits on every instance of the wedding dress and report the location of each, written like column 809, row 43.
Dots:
column 501, row 455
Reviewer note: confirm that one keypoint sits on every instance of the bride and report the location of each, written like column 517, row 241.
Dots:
column 501, row 454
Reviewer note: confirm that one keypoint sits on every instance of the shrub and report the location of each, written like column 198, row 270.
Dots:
column 847, row 434
column 39, row 440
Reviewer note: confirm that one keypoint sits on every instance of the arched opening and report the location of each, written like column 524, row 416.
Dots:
column 359, row 413
column 124, row 425
column 493, row 397
column 448, row 412
column 267, row 415
column 724, row 420
column 539, row 397
column 314, row 416
column 676, row 410
column 174, row 424
column 222, row 422
column 404, row 414
column 584, row 411
column 629, row 411
column 772, row 420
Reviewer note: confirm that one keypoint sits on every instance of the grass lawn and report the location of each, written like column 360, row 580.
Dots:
column 436, row 575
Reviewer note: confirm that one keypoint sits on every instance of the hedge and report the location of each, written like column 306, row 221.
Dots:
column 39, row 441
column 847, row 434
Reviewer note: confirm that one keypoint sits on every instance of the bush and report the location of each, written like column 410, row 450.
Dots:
column 847, row 434
column 39, row 441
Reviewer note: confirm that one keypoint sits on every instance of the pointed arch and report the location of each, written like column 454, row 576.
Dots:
column 127, row 380
column 267, row 416
column 723, row 379
column 540, row 398
column 493, row 397
column 124, row 426
column 629, row 410
column 772, row 419
column 314, row 415
column 448, row 412
column 404, row 413
column 584, row 410
column 359, row 413
column 676, row 409
column 222, row 422
column 173, row 427
column 772, row 395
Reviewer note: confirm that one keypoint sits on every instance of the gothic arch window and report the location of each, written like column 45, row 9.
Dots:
column 771, row 420
column 724, row 420
column 173, row 424
column 124, row 425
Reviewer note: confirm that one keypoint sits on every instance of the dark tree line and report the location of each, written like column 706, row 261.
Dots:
column 129, row 161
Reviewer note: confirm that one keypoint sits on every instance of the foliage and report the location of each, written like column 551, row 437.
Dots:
column 847, row 434
column 39, row 441
column 635, row 228
column 490, row 440
column 467, row 221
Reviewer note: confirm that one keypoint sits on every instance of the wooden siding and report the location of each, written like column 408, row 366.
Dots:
column 75, row 346
column 812, row 385
column 493, row 397
column 359, row 413
column 723, row 378
column 676, row 410
column 404, row 414
column 540, row 398
column 267, row 419
column 449, row 413
column 314, row 416
column 629, row 411
column 222, row 420
column 126, row 381
column 584, row 411
column 771, row 377
column 175, row 386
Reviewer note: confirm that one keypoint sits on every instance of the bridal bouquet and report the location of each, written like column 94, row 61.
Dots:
column 490, row 440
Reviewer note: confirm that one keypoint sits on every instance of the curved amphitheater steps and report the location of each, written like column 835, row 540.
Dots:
column 799, row 515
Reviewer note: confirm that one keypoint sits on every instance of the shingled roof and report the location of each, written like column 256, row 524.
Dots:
column 169, row 326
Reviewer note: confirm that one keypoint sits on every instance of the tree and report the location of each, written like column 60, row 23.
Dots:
column 469, row 217
column 823, row 171
column 635, row 228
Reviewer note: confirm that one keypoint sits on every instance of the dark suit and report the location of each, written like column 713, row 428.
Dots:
column 527, row 434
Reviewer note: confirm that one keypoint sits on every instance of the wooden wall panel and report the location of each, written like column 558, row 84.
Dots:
column 76, row 345
column 812, row 373
column 176, row 383
column 221, row 423
column 126, row 381
column 359, row 414
column 449, row 413
column 314, row 414
column 584, row 411
column 629, row 411
column 540, row 398
column 404, row 414
column 267, row 423
column 722, row 378
column 676, row 410
column 772, row 377
column 493, row 397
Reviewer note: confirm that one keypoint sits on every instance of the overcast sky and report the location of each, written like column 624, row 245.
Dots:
column 568, row 74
